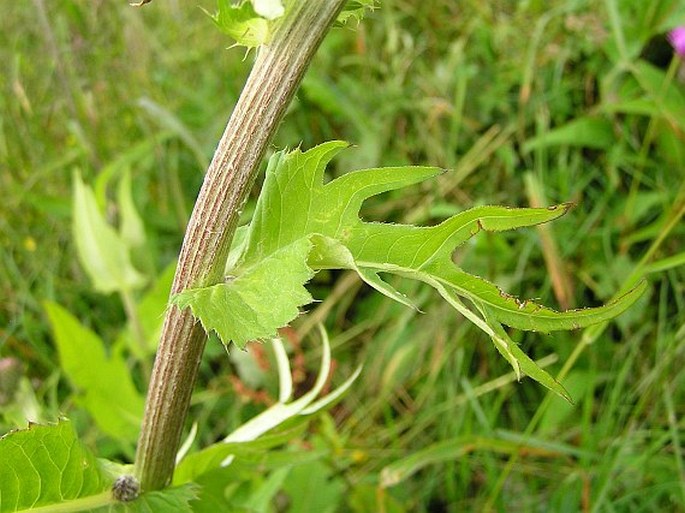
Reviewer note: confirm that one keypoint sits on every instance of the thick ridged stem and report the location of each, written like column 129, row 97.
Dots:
column 276, row 75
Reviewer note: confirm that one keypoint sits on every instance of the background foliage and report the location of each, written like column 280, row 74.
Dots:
column 528, row 103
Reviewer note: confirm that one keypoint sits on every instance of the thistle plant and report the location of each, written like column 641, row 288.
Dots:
column 244, row 283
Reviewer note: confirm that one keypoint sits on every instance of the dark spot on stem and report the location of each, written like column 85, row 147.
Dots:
column 126, row 489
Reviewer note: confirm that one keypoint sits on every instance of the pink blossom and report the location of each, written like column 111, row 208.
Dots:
column 677, row 39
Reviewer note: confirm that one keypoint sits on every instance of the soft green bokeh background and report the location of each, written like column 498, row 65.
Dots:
column 479, row 88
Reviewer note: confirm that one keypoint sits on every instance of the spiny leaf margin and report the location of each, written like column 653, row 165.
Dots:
column 264, row 297
column 296, row 204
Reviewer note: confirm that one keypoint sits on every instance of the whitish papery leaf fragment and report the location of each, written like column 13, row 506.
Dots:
column 250, row 435
column 252, row 23
column 302, row 224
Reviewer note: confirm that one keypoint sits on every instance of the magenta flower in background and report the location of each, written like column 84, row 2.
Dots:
column 677, row 39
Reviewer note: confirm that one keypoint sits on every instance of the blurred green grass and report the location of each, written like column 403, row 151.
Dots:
column 486, row 89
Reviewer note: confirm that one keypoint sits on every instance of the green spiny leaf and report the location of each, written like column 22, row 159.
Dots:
column 524, row 315
column 295, row 202
column 355, row 9
column 416, row 247
column 330, row 254
column 242, row 23
column 261, row 298
column 297, row 205
column 524, row 364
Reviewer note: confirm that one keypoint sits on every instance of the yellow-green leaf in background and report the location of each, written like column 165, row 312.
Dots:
column 102, row 251
column 103, row 383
